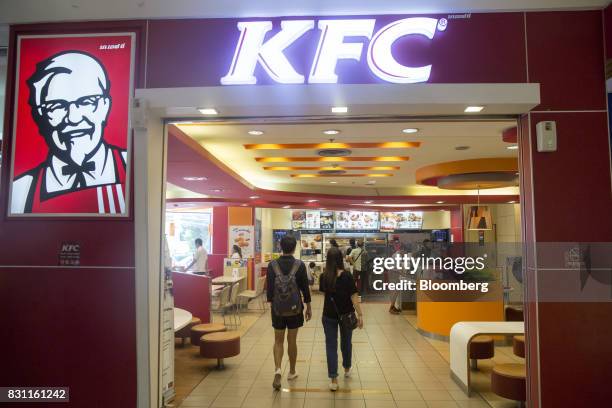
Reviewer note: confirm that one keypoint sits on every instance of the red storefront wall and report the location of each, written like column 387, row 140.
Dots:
column 77, row 327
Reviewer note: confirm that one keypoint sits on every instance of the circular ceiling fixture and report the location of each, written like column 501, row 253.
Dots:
column 474, row 181
column 256, row 132
column 334, row 152
column 331, row 132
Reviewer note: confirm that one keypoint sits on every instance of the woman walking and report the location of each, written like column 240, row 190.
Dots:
column 341, row 304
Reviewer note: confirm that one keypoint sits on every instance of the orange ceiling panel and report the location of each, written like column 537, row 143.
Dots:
column 333, row 145
column 332, row 159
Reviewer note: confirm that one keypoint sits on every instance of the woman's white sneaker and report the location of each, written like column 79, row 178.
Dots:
column 347, row 374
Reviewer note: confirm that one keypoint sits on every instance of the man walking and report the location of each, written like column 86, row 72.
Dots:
column 286, row 278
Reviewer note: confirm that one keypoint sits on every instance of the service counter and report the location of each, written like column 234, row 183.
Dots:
column 438, row 311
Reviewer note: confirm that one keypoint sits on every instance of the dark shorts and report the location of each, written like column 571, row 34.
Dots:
column 287, row 322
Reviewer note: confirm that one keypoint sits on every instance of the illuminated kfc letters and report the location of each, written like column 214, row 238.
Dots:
column 253, row 49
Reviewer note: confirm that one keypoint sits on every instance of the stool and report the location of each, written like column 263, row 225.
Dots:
column 518, row 346
column 220, row 345
column 481, row 347
column 508, row 381
column 186, row 331
column 200, row 330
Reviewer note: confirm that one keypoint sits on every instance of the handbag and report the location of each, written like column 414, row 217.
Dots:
column 348, row 320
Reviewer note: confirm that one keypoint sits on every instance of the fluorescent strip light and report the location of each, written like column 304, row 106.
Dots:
column 208, row 111
column 339, row 109
column 513, row 147
column 473, row 109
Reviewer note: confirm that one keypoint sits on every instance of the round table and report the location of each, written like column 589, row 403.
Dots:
column 181, row 318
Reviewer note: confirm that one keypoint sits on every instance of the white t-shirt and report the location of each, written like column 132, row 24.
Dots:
column 201, row 260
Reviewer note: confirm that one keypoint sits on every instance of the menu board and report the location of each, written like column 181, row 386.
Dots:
column 327, row 220
column 306, row 220
column 311, row 247
column 401, row 220
column 357, row 220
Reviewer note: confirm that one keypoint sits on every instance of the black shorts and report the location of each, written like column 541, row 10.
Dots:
column 287, row 322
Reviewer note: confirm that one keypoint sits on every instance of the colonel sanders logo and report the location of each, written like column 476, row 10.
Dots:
column 70, row 101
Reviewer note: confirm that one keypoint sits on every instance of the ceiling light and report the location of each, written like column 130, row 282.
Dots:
column 511, row 202
column 439, row 202
column 243, row 205
column 254, row 197
column 287, row 206
column 216, row 190
column 333, row 182
column 368, row 202
column 513, row 147
column 473, row 109
column 339, row 109
column 208, row 111
column 410, row 130
column 312, row 201
column 195, row 178
column 331, row 132
column 256, row 132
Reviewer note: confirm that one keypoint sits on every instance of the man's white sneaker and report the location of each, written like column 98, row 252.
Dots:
column 333, row 386
column 347, row 374
column 292, row 376
column 276, row 384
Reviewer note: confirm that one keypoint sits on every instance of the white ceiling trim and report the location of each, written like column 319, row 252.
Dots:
column 27, row 11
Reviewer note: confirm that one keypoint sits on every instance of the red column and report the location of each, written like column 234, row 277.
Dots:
column 456, row 220
column 566, row 198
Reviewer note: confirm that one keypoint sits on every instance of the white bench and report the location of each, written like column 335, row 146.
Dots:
column 460, row 336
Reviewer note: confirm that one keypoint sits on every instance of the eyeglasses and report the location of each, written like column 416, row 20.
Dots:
column 59, row 108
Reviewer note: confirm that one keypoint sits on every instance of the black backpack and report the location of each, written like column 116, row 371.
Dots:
column 286, row 300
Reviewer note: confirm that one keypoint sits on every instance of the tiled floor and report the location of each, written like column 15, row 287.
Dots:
column 394, row 366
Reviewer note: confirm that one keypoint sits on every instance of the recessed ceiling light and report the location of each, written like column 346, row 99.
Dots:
column 439, row 202
column 473, row 109
column 243, row 205
column 216, row 190
column 195, row 178
column 333, row 182
column 462, row 147
column 254, row 197
column 287, row 206
column 312, row 201
column 256, row 132
column 339, row 109
column 511, row 202
column 368, row 202
column 513, row 147
column 410, row 130
column 331, row 132
column 208, row 111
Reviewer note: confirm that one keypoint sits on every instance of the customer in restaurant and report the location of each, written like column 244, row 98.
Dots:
column 286, row 278
column 236, row 252
column 356, row 259
column 200, row 258
column 341, row 300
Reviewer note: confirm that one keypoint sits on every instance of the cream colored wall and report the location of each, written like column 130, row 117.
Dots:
column 271, row 219
column 436, row 220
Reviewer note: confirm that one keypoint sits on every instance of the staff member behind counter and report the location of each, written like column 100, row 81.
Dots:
column 200, row 258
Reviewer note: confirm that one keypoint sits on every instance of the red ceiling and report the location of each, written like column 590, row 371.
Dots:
column 186, row 158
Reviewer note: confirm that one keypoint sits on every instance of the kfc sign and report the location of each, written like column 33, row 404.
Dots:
column 71, row 133
column 253, row 48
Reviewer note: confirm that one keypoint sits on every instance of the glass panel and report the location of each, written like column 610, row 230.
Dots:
column 182, row 229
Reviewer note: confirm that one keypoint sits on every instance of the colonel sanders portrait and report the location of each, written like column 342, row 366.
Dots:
column 70, row 101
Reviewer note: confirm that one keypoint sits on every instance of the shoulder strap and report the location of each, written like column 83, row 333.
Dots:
column 294, row 268
column 360, row 253
column 275, row 267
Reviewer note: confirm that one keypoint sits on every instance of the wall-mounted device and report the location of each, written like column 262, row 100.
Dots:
column 546, row 132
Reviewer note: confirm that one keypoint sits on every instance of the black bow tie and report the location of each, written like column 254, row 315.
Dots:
column 71, row 169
